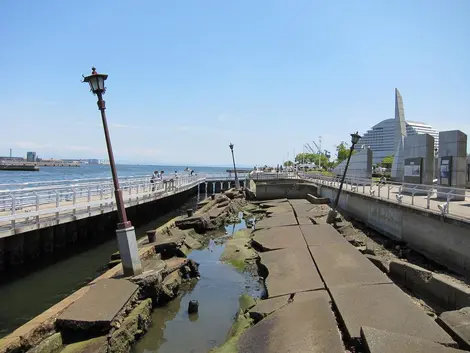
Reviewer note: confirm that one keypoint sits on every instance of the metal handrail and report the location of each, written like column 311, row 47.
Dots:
column 374, row 189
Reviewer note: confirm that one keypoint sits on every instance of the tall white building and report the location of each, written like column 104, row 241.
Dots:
column 381, row 137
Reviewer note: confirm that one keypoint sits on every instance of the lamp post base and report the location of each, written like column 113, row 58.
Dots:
column 127, row 245
column 331, row 218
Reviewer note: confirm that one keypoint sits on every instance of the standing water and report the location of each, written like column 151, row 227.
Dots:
column 173, row 330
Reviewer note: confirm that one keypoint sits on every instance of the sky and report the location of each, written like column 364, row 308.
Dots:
column 186, row 78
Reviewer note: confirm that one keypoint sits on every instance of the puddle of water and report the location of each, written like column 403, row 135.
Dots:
column 217, row 292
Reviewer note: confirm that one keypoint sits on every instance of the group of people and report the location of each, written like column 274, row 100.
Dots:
column 157, row 176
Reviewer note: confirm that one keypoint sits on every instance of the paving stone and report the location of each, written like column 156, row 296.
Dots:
column 385, row 307
column 321, row 234
column 99, row 306
column 296, row 202
column 268, row 306
column 278, row 238
column 273, row 201
column 216, row 212
column 163, row 240
column 279, row 220
column 290, row 271
column 340, row 264
column 303, row 326
column 457, row 324
column 378, row 341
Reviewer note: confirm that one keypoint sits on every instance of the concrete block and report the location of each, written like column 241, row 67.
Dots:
column 98, row 307
column 279, row 220
column 457, row 324
column 317, row 200
column 290, row 271
column 380, row 263
column 304, row 326
column 378, row 341
column 321, row 234
column 385, row 307
column 278, row 238
column 340, row 264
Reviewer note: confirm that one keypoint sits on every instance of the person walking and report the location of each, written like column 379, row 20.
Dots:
column 153, row 179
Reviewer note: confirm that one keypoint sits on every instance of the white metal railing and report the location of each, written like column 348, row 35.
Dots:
column 273, row 175
column 31, row 204
column 431, row 197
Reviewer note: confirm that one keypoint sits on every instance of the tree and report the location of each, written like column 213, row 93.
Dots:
column 342, row 152
column 387, row 162
column 288, row 163
column 312, row 158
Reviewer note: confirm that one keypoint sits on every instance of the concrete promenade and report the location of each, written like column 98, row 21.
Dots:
column 389, row 192
column 323, row 295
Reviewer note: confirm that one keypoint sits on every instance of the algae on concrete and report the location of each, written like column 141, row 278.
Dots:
column 238, row 250
column 93, row 345
column 246, row 302
column 51, row 344
column 133, row 326
column 242, row 323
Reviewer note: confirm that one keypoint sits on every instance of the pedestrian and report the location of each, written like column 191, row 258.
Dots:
column 176, row 174
column 153, row 179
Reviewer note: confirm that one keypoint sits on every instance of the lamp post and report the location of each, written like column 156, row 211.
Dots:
column 125, row 232
column 333, row 213
column 237, row 183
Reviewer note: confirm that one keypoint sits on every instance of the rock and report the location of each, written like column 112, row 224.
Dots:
column 149, row 282
column 171, row 284
column 223, row 204
column 233, row 194
column 49, row 345
column 192, row 243
column 221, row 198
column 133, row 326
column 199, row 223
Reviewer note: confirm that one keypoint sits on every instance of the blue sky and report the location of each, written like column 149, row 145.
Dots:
column 188, row 77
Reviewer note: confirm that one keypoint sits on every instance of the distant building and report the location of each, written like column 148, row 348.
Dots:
column 380, row 138
column 31, row 157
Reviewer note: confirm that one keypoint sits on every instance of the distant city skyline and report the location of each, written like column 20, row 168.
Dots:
column 185, row 81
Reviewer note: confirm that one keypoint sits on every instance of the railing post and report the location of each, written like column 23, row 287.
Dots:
column 428, row 199
column 74, row 201
column 89, row 200
column 57, row 204
column 37, row 207
column 101, row 198
column 13, row 209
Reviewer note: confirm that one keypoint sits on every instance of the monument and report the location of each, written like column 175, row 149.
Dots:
column 418, row 158
column 360, row 165
column 398, row 138
column 452, row 165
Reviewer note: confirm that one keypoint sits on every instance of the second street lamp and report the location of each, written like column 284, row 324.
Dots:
column 125, row 232
column 237, row 182
column 333, row 213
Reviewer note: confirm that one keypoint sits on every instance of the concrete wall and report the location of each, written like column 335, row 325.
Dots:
column 218, row 186
column 420, row 146
column 60, row 240
column 360, row 165
column 454, row 143
column 293, row 189
column 444, row 240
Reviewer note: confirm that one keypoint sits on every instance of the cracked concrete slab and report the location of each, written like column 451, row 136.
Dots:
column 385, row 307
column 378, row 341
column 99, row 306
column 279, row 220
column 278, row 238
column 268, row 306
column 340, row 264
column 321, row 234
column 290, row 271
column 303, row 326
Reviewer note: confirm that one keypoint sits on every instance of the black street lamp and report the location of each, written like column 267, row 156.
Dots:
column 237, row 183
column 333, row 213
column 127, row 242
